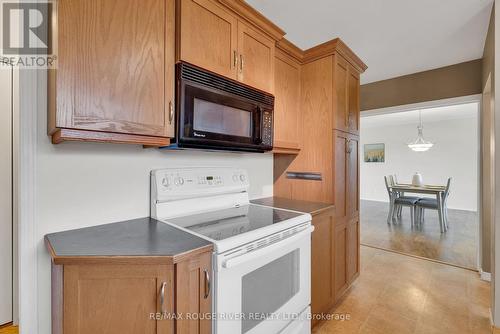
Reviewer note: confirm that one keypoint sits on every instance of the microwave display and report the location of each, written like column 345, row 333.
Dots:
column 216, row 118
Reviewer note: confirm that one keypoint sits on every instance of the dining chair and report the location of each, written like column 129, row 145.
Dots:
column 400, row 194
column 397, row 202
column 432, row 203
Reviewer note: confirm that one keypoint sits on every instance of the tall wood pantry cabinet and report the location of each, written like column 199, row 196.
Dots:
column 114, row 80
column 329, row 147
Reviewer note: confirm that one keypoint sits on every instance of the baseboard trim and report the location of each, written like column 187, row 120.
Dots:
column 485, row 276
column 419, row 257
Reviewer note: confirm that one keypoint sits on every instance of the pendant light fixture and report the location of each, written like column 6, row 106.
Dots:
column 420, row 144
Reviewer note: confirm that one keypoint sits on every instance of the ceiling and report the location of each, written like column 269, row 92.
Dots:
column 430, row 115
column 393, row 37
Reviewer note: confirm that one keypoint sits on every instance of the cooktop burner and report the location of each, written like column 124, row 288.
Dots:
column 224, row 224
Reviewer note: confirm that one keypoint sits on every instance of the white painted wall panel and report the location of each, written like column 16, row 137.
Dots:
column 5, row 195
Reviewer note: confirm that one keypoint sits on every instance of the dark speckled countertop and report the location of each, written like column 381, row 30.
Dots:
column 139, row 240
column 313, row 208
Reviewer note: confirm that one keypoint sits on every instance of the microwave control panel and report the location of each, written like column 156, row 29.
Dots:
column 267, row 133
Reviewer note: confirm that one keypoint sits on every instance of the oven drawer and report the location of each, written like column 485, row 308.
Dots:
column 302, row 325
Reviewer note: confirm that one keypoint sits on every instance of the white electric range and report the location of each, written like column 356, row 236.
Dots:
column 262, row 255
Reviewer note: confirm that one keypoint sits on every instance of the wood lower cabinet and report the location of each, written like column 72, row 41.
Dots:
column 112, row 298
column 218, row 36
column 323, row 263
column 114, row 80
column 193, row 294
column 121, row 298
column 287, row 117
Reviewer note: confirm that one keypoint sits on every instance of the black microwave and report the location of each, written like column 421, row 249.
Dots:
column 216, row 113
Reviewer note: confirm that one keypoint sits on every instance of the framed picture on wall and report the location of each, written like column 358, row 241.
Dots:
column 374, row 152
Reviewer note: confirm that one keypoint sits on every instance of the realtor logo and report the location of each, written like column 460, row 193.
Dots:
column 26, row 28
column 26, row 34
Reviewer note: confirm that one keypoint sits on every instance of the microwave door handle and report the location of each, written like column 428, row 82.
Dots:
column 257, row 125
column 237, row 260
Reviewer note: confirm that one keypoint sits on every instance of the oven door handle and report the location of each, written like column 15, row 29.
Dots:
column 237, row 260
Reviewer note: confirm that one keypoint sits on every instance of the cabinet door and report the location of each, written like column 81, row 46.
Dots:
column 117, row 299
column 322, row 262
column 341, row 242
column 341, row 102
column 352, row 185
column 112, row 74
column 341, row 174
column 194, row 294
column 353, row 94
column 208, row 36
column 287, row 102
column 256, row 63
column 352, row 250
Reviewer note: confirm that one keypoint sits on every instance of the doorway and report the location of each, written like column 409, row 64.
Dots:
column 6, row 195
column 453, row 127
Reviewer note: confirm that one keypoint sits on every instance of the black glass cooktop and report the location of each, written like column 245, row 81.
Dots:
column 223, row 224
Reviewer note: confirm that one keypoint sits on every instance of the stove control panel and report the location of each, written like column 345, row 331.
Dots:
column 197, row 182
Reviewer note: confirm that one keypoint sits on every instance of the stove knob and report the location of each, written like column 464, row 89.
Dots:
column 243, row 178
column 179, row 181
column 165, row 182
column 235, row 178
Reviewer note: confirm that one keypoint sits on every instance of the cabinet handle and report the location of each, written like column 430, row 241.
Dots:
column 235, row 59
column 242, row 63
column 170, row 112
column 162, row 298
column 207, row 284
column 348, row 148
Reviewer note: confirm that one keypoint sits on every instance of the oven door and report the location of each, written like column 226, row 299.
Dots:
column 213, row 118
column 262, row 290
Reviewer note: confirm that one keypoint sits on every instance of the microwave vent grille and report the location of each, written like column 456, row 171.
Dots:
column 199, row 76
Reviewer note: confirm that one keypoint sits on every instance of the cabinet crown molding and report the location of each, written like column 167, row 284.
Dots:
column 322, row 50
column 251, row 15
column 331, row 47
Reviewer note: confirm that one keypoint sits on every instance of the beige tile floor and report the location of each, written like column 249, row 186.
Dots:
column 401, row 294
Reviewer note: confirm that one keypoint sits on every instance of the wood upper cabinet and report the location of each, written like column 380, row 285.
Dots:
column 341, row 104
column 114, row 298
column 256, row 62
column 208, row 36
column 287, row 118
column 114, row 80
column 353, row 114
column 213, row 37
column 346, row 96
column 322, row 263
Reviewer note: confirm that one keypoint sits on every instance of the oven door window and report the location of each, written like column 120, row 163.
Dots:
column 221, row 119
column 268, row 288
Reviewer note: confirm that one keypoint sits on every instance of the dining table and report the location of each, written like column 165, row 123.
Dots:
column 427, row 189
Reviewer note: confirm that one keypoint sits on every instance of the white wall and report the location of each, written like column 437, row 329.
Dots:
column 453, row 155
column 6, row 195
column 84, row 184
